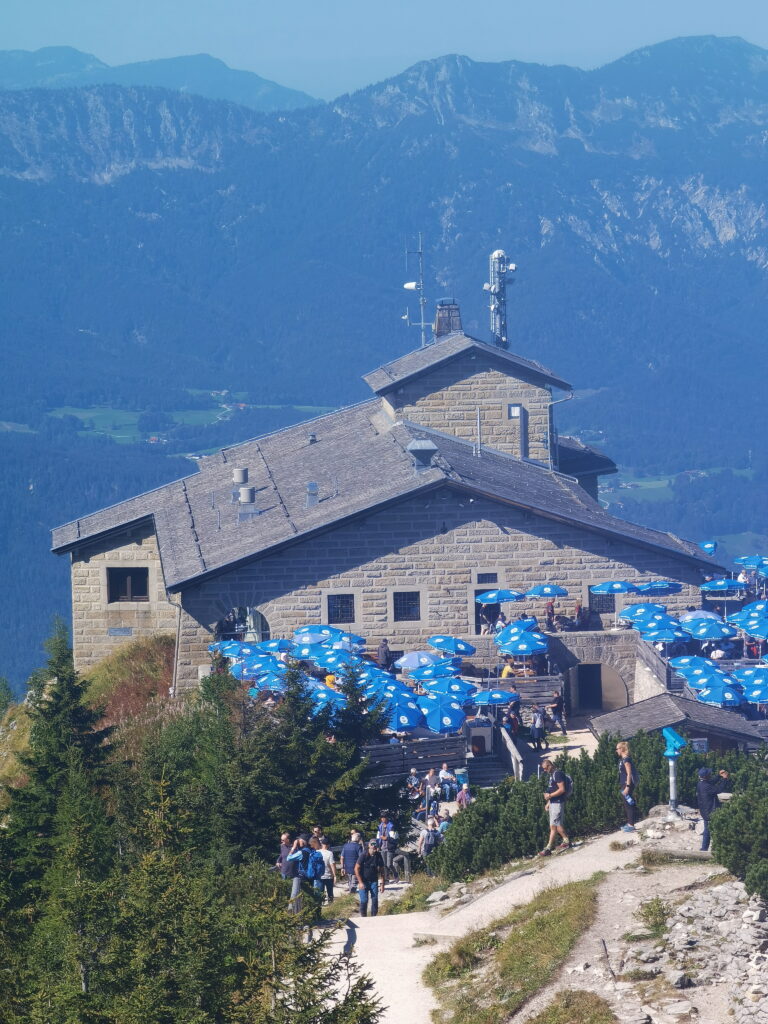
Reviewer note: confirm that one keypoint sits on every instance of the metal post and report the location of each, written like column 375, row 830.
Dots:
column 673, row 783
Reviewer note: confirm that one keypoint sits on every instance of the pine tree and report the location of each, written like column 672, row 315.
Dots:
column 6, row 695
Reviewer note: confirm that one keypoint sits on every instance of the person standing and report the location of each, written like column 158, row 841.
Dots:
column 706, row 797
column 282, row 858
column 384, row 655
column 464, row 797
column 429, row 840
column 386, row 845
column 554, row 801
column 350, row 854
column 369, row 871
column 538, row 735
column 328, row 877
column 627, row 783
column 557, row 710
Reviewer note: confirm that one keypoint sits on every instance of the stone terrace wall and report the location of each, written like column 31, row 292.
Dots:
column 436, row 545
column 447, row 399
column 93, row 617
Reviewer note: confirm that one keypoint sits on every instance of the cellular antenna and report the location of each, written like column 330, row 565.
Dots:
column 500, row 268
column 417, row 286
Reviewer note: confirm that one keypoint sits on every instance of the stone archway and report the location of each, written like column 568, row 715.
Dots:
column 243, row 622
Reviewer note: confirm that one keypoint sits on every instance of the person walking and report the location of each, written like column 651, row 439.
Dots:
column 627, row 784
column 554, row 801
column 328, row 877
column 557, row 710
column 706, row 797
column 429, row 840
column 387, row 845
column 538, row 735
column 464, row 797
column 369, row 871
column 350, row 854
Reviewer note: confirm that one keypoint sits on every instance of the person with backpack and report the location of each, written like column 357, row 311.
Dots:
column 429, row 840
column 559, row 788
column 369, row 870
column 707, row 793
column 350, row 854
column 627, row 783
column 537, row 731
column 387, row 840
column 315, row 868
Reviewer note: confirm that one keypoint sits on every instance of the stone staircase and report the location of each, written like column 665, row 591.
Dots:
column 485, row 771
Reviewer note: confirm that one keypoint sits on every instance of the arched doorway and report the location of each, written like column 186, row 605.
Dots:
column 243, row 623
column 599, row 687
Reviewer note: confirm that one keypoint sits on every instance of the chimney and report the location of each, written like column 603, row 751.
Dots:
column 247, row 495
column 421, row 451
column 239, row 476
column 312, row 492
column 313, row 439
column 447, row 318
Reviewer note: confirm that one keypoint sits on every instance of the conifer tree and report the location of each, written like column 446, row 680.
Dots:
column 6, row 695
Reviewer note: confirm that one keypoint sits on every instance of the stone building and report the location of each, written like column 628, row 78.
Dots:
column 387, row 518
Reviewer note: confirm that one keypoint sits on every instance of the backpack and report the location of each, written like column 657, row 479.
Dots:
column 315, row 866
column 306, row 855
column 568, row 787
column 431, row 840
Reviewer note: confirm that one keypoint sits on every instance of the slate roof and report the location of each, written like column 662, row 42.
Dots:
column 578, row 459
column 420, row 360
column 667, row 709
column 359, row 462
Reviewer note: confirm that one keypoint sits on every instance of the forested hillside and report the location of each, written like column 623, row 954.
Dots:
column 158, row 246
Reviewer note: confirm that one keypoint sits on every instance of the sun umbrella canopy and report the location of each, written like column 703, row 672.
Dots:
column 763, row 571
column 338, row 660
column 525, row 645
column 459, row 689
column 754, row 675
column 492, row 697
column 388, row 691
column 722, row 586
column 660, row 587
column 316, row 634
column 498, row 596
column 708, row 629
column 252, row 668
column 453, row 644
column 217, row 645
column 442, row 714
column 373, row 675
column 666, row 635
column 615, row 587
column 756, row 606
column 237, row 649
column 757, row 628
column 270, row 681
column 709, row 547
column 324, row 695
column 276, row 646
column 655, row 622
column 433, row 672
column 723, row 696
column 700, row 613
column 417, row 659
column 404, row 714
column 547, row 590
column 642, row 611
column 692, row 661
column 704, row 672
column 515, row 629
column 348, row 638
column 756, row 694
column 751, row 561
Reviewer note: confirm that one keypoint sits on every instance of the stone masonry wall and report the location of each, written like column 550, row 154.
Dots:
column 435, row 545
column 447, row 399
column 93, row 616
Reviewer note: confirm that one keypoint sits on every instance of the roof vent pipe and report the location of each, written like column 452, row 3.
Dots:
column 247, row 495
column 313, row 438
column 312, row 494
column 239, row 476
column 421, row 451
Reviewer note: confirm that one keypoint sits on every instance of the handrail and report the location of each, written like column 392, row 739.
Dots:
column 509, row 754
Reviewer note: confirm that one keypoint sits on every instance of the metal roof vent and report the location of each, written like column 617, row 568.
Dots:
column 421, row 451
column 247, row 495
column 312, row 438
column 312, row 494
column 240, row 476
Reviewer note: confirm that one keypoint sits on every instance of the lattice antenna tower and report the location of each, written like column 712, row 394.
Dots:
column 499, row 268
column 417, row 286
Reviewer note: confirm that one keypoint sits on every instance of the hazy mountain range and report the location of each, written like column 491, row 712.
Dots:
column 155, row 241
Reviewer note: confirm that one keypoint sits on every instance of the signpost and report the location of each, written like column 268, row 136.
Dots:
column 675, row 744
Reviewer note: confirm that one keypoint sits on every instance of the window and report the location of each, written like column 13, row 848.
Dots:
column 406, row 605
column 602, row 603
column 487, row 577
column 514, row 411
column 127, row 585
column 341, row 608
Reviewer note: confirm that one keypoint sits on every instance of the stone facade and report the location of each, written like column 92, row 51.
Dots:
column 93, row 617
column 435, row 545
column 448, row 397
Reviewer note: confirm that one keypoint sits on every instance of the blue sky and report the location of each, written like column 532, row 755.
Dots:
column 327, row 47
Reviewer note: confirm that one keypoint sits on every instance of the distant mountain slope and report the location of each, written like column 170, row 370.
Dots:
column 200, row 74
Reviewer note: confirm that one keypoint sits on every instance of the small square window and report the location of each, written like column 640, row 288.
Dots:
column 127, row 585
column 487, row 577
column 601, row 603
column 514, row 411
column 341, row 608
column 406, row 605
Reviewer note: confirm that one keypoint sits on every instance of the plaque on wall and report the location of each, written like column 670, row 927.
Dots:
column 120, row 631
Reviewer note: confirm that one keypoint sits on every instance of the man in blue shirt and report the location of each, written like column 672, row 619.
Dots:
column 554, row 801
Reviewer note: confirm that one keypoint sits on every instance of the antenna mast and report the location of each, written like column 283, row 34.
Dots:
column 417, row 286
column 497, row 287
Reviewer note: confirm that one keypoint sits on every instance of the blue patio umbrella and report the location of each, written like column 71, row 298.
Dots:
column 703, row 682
column 338, row 660
column 756, row 694
column 664, row 636
column 453, row 644
column 388, row 691
column 373, row 674
column 316, row 634
column 709, row 547
column 417, row 659
column 642, row 611
column 238, row 649
column 721, row 695
column 433, row 672
column 704, row 672
column 217, row 645
column 403, row 714
column 708, row 629
column 526, row 645
column 258, row 687
column 348, row 638
column 459, row 689
column 752, row 561
column 657, row 621
column 763, row 571
column 309, row 652
column 757, row 628
column 514, row 629
column 492, row 697
column 276, row 646
column 691, row 661
column 325, row 695
column 547, row 590
column 615, row 587
column 270, row 681
column 254, row 667
column 700, row 613
column 754, row 675
column 722, row 586
column 756, row 606
column 498, row 596
column 660, row 587
column 442, row 714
